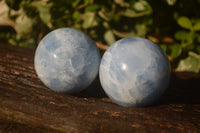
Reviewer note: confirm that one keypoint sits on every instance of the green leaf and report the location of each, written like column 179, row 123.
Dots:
column 198, row 49
column 75, row 3
column 12, row 41
column 184, row 45
column 44, row 11
column 129, row 13
column 24, row 24
column 77, row 26
column 91, row 8
column 26, row 42
column 124, row 34
column 76, row 16
column 190, row 37
column 141, row 30
column 164, row 47
column 185, row 37
column 87, row 2
column 196, row 26
column 191, row 63
column 198, row 37
column 109, row 37
column 175, row 50
column 139, row 6
column 89, row 20
column 181, row 35
column 106, row 25
column 171, row 2
column 105, row 15
column 122, row 3
column 133, row 14
column 119, row 1
column 185, row 22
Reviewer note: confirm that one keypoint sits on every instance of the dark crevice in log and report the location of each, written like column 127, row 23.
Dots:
column 26, row 105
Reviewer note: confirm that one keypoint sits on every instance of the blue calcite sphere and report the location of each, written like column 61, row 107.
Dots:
column 134, row 72
column 67, row 60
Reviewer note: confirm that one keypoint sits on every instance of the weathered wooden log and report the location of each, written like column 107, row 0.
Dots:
column 27, row 106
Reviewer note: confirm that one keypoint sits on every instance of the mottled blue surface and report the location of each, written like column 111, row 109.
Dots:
column 67, row 60
column 134, row 72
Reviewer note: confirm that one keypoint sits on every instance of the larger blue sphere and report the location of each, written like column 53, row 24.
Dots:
column 67, row 60
column 134, row 72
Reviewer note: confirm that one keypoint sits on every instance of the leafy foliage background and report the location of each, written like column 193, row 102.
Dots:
column 173, row 24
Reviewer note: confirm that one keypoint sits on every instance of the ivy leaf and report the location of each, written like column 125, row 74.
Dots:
column 89, row 20
column 196, row 26
column 191, row 63
column 109, row 37
column 185, row 22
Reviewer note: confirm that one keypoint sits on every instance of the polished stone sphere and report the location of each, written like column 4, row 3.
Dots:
column 67, row 60
column 134, row 72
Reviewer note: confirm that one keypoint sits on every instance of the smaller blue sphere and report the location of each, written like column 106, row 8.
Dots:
column 67, row 60
column 134, row 72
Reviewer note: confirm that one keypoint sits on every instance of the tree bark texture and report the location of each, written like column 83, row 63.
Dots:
column 27, row 106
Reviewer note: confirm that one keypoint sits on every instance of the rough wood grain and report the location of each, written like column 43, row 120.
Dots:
column 26, row 105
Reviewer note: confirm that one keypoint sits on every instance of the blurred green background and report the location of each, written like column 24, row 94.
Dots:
column 173, row 24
